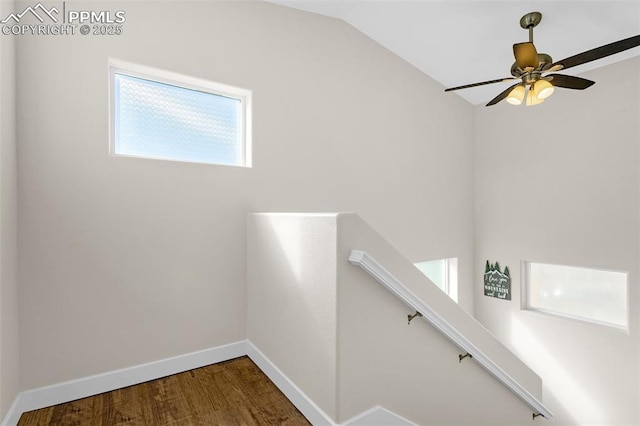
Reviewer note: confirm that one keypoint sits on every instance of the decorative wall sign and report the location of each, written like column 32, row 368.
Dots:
column 497, row 283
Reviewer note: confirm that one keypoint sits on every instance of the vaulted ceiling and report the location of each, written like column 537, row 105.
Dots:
column 460, row 42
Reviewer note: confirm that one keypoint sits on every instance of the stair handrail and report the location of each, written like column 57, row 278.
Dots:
column 383, row 276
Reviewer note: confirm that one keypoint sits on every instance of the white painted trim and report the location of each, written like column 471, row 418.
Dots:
column 117, row 66
column 286, row 214
column 93, row 385
column 384, row 277
column 372, row 412
column 13, row 415
column 307, row 407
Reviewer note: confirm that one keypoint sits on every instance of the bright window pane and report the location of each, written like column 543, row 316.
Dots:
column 590, row 294
column 158, row 120
column 436, row 271
column 443, row 273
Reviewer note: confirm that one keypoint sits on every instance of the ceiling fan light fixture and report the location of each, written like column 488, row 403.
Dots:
column 532, row 98
column 516, row 96
column 543, row 89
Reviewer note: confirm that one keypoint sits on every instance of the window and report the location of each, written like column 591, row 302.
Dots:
column 162, row 115
column 593, row 295
column 443, row 273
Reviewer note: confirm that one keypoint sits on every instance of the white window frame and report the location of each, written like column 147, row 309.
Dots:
column 117, row 66
column 526, row 302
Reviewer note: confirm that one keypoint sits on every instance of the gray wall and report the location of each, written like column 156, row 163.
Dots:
column 292, row 290
column 9, row 361
column 125, row 261
column 343, row 338
column 414, row 370
column 559, row 183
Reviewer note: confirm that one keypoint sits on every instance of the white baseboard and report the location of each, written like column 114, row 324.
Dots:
column 378, row 416
column 93, row 385
column 87, row 386
column 13, row 415
column 307, row 407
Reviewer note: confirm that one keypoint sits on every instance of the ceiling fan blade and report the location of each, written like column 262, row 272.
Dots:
column 599, row 52
column 502, row 95
column 526, row 55
column 466, row 86
column 570, row 82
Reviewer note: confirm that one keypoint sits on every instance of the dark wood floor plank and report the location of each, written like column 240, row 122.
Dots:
column 230, row 393
column 125, row 406
column 199, row 403
column 40, row 417
column 167, row 402
column 75, row 413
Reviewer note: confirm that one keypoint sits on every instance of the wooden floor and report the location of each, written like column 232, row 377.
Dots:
column 235, row 392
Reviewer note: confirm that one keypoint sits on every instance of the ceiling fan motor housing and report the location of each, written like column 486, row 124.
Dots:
column 544, row 62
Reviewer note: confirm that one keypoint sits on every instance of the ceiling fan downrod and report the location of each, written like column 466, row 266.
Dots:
column 529, row 22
